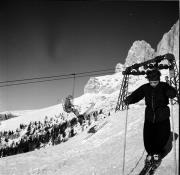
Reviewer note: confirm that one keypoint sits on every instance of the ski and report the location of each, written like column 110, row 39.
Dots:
column 150, row 170
column 153, row 169
column 145, row 170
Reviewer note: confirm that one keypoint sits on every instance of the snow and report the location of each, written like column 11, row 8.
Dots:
column 17, row 113
column 100, row 154
column 34, row 115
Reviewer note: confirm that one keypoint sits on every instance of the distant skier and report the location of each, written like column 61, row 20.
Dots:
column 69, row 106
column 157, row 123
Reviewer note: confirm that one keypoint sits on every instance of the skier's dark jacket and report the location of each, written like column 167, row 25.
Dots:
column 68, row 106
column 156, row 100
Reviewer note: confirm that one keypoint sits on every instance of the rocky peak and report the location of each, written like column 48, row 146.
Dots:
column 119, row 68
column 104, row 84
column 92, row 86
column 139, row 52
column 170, row 42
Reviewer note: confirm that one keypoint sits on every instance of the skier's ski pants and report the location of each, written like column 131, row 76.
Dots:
column 156, row 136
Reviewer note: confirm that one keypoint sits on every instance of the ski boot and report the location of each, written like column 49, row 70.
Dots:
column 156, row 161
column 147, row 165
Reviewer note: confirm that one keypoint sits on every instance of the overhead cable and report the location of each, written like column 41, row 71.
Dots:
column 55, row 76
column 48, row 79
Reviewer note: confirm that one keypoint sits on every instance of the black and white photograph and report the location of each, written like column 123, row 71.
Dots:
column 89, row 87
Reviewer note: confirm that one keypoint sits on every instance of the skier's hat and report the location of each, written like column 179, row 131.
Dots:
column 69, row 97
column 153, row 75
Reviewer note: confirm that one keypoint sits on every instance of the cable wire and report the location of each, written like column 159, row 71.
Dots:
column 69, row 76
column 55, row 76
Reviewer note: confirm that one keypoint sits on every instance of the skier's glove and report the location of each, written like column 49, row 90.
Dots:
column 126, row 101
column 171, row 94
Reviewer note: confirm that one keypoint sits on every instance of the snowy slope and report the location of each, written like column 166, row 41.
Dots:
column 100, row 154
column 17, row 113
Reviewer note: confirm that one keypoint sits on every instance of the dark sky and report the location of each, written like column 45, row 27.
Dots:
column 46, row 38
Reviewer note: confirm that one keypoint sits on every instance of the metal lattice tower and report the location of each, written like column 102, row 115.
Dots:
column 150, row 64
column 123, row 93
column 174, row 76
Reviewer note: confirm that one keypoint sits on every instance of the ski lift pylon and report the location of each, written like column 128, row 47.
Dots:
column 150, row 64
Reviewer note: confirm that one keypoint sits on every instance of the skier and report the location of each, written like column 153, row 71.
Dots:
column 157, row 123
column 69, row 106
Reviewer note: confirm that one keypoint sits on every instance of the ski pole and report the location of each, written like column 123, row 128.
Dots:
column 125, row 133
column 172, row 77
column 174, row 140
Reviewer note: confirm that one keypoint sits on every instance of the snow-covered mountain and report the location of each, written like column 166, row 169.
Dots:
column 170, row 42
column 105, row 84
